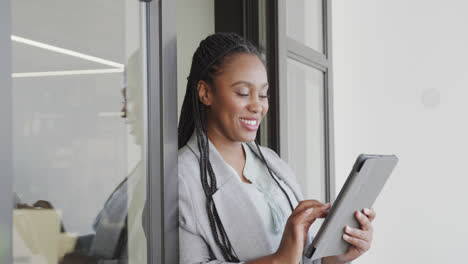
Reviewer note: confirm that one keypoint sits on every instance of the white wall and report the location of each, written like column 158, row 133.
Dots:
column 401, row 87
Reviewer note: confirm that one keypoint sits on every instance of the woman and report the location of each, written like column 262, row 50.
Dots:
column 239, row 202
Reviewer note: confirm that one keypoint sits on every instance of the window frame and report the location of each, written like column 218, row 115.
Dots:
column 290, row 48
column 161, row 211
column 6, row 151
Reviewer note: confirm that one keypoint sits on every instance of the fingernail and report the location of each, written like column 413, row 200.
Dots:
column 367, row 210
column 310, row 210
column 345, row 236
column 347, row 228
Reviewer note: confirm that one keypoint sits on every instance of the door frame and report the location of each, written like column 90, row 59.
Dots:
column 162, row 193
column 6, row 151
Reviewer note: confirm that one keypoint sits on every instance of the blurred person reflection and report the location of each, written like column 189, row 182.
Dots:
column 119, row 235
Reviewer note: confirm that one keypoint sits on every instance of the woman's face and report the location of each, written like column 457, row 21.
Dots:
column 239, row 100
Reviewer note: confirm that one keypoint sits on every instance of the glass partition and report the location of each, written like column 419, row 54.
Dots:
column 79, row 145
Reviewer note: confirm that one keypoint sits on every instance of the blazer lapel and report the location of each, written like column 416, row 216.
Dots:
column 235, row 209
column 244, row 227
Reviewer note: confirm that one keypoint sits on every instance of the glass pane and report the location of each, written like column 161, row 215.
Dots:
column 304, row 22
column 305, row 123
column 78, row 144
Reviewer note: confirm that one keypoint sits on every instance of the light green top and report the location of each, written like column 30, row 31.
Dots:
column 267, row 197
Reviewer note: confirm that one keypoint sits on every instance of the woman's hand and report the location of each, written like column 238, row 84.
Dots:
column 360, row 239
column 295, row 232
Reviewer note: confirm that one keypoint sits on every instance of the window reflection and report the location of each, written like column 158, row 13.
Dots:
column 78, row 144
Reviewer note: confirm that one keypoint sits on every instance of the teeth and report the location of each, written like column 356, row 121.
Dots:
column 249, row 122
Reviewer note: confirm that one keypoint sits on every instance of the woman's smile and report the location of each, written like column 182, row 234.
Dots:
column 250, row 123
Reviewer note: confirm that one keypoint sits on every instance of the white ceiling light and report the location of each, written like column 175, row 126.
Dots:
column 63, row 73
column 118, row 66
column 66, row 51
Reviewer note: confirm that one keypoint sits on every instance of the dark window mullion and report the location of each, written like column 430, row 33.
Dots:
column 328, row 132
column 306, row 62
column 329, row 118
column 306, row 54
column 273, row 74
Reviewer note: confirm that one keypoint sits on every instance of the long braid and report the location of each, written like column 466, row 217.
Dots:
column 207, row 62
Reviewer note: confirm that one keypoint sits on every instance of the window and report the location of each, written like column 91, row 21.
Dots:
column 79, row 144
column 305, row 99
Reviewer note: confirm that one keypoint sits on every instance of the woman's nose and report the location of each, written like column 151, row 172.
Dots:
column 254, row 105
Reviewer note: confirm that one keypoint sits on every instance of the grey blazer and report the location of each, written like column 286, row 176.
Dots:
column 243, row 225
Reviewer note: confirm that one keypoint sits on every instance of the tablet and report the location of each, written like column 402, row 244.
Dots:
column 363, row 185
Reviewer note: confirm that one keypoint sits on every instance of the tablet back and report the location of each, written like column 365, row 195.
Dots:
column 363, row 185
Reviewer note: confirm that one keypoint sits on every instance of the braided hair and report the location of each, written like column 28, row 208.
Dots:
column 207, row 62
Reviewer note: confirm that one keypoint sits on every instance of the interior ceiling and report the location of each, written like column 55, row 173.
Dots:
column 92, row 27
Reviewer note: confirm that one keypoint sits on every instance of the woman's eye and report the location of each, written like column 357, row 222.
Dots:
column 243, row 94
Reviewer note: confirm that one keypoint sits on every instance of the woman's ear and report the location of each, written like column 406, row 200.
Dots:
column 204, row 93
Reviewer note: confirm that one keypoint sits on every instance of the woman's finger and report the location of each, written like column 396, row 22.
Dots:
column 370, row 213
column 306, row 204
column 308, row 216
column 316, row 212
column 361, row 245
column 366, row 224
column 357, row 233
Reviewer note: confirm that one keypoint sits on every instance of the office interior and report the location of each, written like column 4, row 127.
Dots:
column 92, row 90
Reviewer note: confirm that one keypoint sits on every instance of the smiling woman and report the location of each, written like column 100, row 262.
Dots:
column 221, row 217
column 237, row 99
